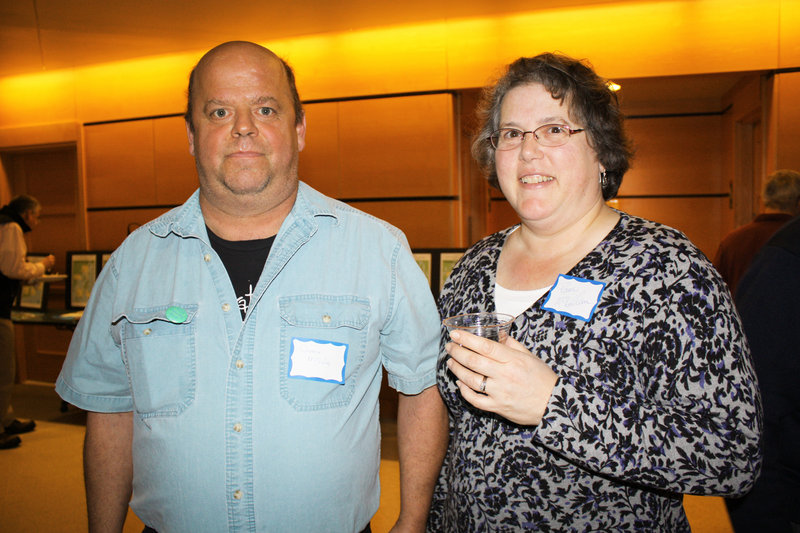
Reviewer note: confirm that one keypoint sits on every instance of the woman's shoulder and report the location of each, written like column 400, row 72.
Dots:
column 652, row 237
column 648, row 230
column 663, row 251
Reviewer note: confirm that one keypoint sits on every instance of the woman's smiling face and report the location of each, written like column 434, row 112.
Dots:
column 548, row 186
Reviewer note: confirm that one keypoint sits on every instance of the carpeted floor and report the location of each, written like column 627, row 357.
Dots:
column 41, row 487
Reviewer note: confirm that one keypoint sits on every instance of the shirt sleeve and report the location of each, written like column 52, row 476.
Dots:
column 93, row 377
column 13, row 250
column 693, row 422
column 410, row 336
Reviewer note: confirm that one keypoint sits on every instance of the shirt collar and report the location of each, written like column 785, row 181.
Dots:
column 187, row 220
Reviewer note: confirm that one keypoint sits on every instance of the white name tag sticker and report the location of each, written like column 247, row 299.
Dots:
column 574, row 297
column 317, row 360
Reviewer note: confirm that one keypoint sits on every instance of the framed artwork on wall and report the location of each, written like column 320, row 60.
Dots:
column 425, row 262
column 82, row 272
column 437, row 263
column 447, row 260
column 103, row 259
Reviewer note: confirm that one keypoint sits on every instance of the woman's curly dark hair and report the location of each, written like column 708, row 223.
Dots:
column 591, row 104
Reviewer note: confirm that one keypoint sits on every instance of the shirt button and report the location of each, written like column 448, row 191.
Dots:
column 148, row 331
column 237, row 428
column 237, row 495
column 226, row 307
column 207, row 258
column 239, row 363
column 326, row 319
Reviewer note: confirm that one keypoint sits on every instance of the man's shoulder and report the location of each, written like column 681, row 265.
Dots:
column 181, row 217
column 787, row 237
column 348, row 217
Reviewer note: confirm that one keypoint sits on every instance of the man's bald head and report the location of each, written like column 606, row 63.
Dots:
column 219, row 51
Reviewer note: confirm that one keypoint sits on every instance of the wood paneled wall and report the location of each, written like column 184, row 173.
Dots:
column 138, row 163
column 51, row 176
column 394, row 158
column 676, row 177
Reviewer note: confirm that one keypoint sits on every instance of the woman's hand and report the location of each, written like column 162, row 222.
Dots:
column 517, row 384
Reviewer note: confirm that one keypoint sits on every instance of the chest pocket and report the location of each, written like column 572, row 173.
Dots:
column 158, row 348
column 324, row 318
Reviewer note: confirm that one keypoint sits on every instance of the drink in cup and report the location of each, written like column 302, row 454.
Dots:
column 493, row 326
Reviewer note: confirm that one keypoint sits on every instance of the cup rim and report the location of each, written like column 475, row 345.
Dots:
column 447, row 320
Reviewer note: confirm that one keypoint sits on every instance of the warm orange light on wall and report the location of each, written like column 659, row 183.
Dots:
column 145, row 87
column 127, row 89
column 39, row 98
column 377, row 61
column 625, row 39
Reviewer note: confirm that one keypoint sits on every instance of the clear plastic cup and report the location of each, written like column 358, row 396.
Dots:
column 493, row 326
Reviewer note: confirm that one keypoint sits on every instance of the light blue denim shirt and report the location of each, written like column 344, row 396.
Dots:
column 224, row 439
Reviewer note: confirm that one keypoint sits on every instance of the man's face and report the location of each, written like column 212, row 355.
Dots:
column 245, row 140
column 31, row 217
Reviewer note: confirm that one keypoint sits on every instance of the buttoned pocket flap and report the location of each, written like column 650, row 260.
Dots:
column 320, row 311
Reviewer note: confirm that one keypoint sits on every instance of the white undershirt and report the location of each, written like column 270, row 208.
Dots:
column 515, row 302
column 13, row 263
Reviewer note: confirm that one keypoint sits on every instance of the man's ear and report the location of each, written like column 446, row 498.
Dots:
column 190, row 135
column 301, row 134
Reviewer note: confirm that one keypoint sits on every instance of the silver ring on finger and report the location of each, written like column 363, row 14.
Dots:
column 482, row 387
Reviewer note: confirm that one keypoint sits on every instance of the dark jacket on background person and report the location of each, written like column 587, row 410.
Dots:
column 768, row 300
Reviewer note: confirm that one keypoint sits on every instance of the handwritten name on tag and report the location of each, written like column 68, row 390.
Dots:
column 574, row 297
column 317, row 360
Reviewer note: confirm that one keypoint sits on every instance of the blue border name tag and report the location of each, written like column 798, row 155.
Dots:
column 317, row 360
column 574, row 297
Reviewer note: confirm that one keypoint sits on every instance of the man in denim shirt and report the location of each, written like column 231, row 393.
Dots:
column 265, row 419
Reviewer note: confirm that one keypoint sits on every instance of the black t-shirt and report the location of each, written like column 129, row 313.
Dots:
column 244, row 261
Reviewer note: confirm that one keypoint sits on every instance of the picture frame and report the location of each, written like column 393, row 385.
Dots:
column 447, row 261
column 437, row 263
column 102, row 259
column 82, row 273
column 33, row 296
column 425, row 262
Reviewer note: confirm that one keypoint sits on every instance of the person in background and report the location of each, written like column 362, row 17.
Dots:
column 17, row 217
column 768, row 300
column 626, row 380
column 231, row 354
column 781, row 199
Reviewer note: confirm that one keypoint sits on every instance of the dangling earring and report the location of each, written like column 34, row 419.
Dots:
column 603, row 180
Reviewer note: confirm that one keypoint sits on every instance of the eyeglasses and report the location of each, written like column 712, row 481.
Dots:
column 546, row 135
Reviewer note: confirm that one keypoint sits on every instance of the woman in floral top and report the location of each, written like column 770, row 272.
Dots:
column 626, row 381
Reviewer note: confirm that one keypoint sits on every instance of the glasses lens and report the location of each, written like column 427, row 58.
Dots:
column 551, row 135
column 507, row 138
